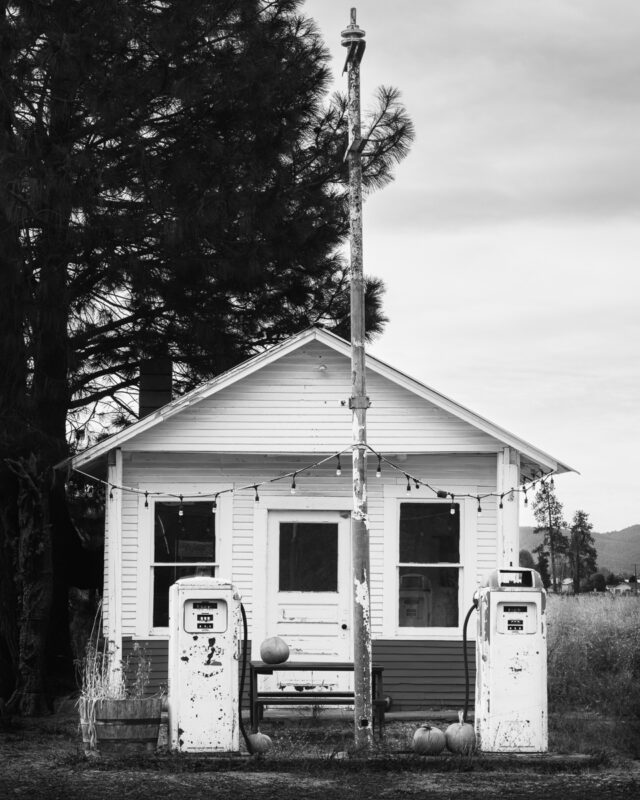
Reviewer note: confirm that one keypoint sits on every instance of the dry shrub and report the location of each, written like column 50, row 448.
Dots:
column 594, row 653
column 101, row 676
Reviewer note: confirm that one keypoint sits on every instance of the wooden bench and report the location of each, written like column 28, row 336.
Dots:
column 309, row 697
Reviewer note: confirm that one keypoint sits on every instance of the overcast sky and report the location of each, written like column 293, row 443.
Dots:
column 509, row 240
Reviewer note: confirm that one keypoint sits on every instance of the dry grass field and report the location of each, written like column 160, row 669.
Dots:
column 594, row 673
column 594, row 654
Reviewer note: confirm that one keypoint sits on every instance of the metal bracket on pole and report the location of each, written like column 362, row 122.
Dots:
column 359, row 402
column 356, row 49
column 356, row 146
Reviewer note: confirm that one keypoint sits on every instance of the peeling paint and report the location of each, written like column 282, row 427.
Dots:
column 511, row 691
column 203, row 673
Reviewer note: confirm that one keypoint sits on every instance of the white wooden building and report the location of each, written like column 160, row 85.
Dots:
column 289, row 553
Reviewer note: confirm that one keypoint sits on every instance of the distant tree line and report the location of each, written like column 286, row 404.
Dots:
column 565, row 550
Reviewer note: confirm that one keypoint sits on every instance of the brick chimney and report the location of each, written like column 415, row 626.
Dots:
column 155, row 390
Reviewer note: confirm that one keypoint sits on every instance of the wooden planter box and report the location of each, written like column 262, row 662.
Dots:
column 128, row 724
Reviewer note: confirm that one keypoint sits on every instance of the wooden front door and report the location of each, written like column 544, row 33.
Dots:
column 308, row 587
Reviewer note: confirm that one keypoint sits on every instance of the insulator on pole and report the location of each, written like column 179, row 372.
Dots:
column 353, row 38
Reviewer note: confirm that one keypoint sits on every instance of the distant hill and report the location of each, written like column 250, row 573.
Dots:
column 618, row 551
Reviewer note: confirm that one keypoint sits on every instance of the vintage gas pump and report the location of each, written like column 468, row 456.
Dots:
column 511, row 663
column 204, row 625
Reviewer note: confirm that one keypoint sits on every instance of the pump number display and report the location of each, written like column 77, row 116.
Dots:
column 521, row 618
column 205, row 615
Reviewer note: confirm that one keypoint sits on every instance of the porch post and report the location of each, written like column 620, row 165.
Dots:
column 113, row 628
column 508, row 519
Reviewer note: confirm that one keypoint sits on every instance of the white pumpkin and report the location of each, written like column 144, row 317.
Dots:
column 428, row 740
column 460, row 736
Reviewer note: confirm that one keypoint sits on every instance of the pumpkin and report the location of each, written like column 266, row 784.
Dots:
column 259, row 742
column 274, row 650
column 428, row 741
column 460, row 736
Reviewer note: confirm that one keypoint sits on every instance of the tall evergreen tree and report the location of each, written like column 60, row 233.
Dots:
column 547, row 510
column 171, row 182
column 582, row 551
column 542, row 565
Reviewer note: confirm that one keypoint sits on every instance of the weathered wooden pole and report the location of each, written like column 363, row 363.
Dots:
column 353, row 39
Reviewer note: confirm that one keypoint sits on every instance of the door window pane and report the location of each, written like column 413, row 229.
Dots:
column 308, row 557
column 428, row 597
column 429, row 533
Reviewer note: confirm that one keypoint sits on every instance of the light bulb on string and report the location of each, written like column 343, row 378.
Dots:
column 257, row 497
column 408, row 482
column 379, row 470
column 293, row 483
column 338, row 468
column 452, row 510
column 110, row 492
column 146, row 499
column 180, row 508
column 214, row 505
column 479, row 506
column 417, row 483
column 501, row 499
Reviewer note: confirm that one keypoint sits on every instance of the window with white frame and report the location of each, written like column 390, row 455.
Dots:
column 184, row 544
column 429, row 565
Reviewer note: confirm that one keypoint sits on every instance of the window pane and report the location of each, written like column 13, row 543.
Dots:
column 429, row 533
column 308, row 557
column 190, row 537
column 428, row 597
column 163, row 578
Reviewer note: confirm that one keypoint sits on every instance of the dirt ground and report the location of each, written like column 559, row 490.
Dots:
column 44, row 759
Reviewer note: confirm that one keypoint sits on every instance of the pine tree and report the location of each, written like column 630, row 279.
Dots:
column 542, row 565
column 171, row 182
column 547, row 510
column 582, row 551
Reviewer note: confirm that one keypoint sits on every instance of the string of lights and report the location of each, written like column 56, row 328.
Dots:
column 540, row 478
column 413, row 483
column 214, row 495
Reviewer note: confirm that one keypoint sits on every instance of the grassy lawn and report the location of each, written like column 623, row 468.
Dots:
column 594, row 710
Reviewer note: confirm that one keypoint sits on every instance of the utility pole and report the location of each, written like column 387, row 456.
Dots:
column 353, row 39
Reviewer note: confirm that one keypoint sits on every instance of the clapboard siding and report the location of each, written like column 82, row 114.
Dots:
column 291, row 406
column 157, row 651
column 424, row 674
column 147, row 471
column 417, row 675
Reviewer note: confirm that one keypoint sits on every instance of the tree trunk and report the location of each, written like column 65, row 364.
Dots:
column 35, row 585
column 552, row 554
column 9, row 646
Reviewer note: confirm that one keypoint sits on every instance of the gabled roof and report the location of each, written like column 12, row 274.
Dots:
column 211, row 387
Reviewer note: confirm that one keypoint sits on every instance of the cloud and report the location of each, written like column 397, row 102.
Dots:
column 525, row 109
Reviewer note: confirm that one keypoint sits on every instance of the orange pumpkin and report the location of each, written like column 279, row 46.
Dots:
column 260, row 742
column 274, row 650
